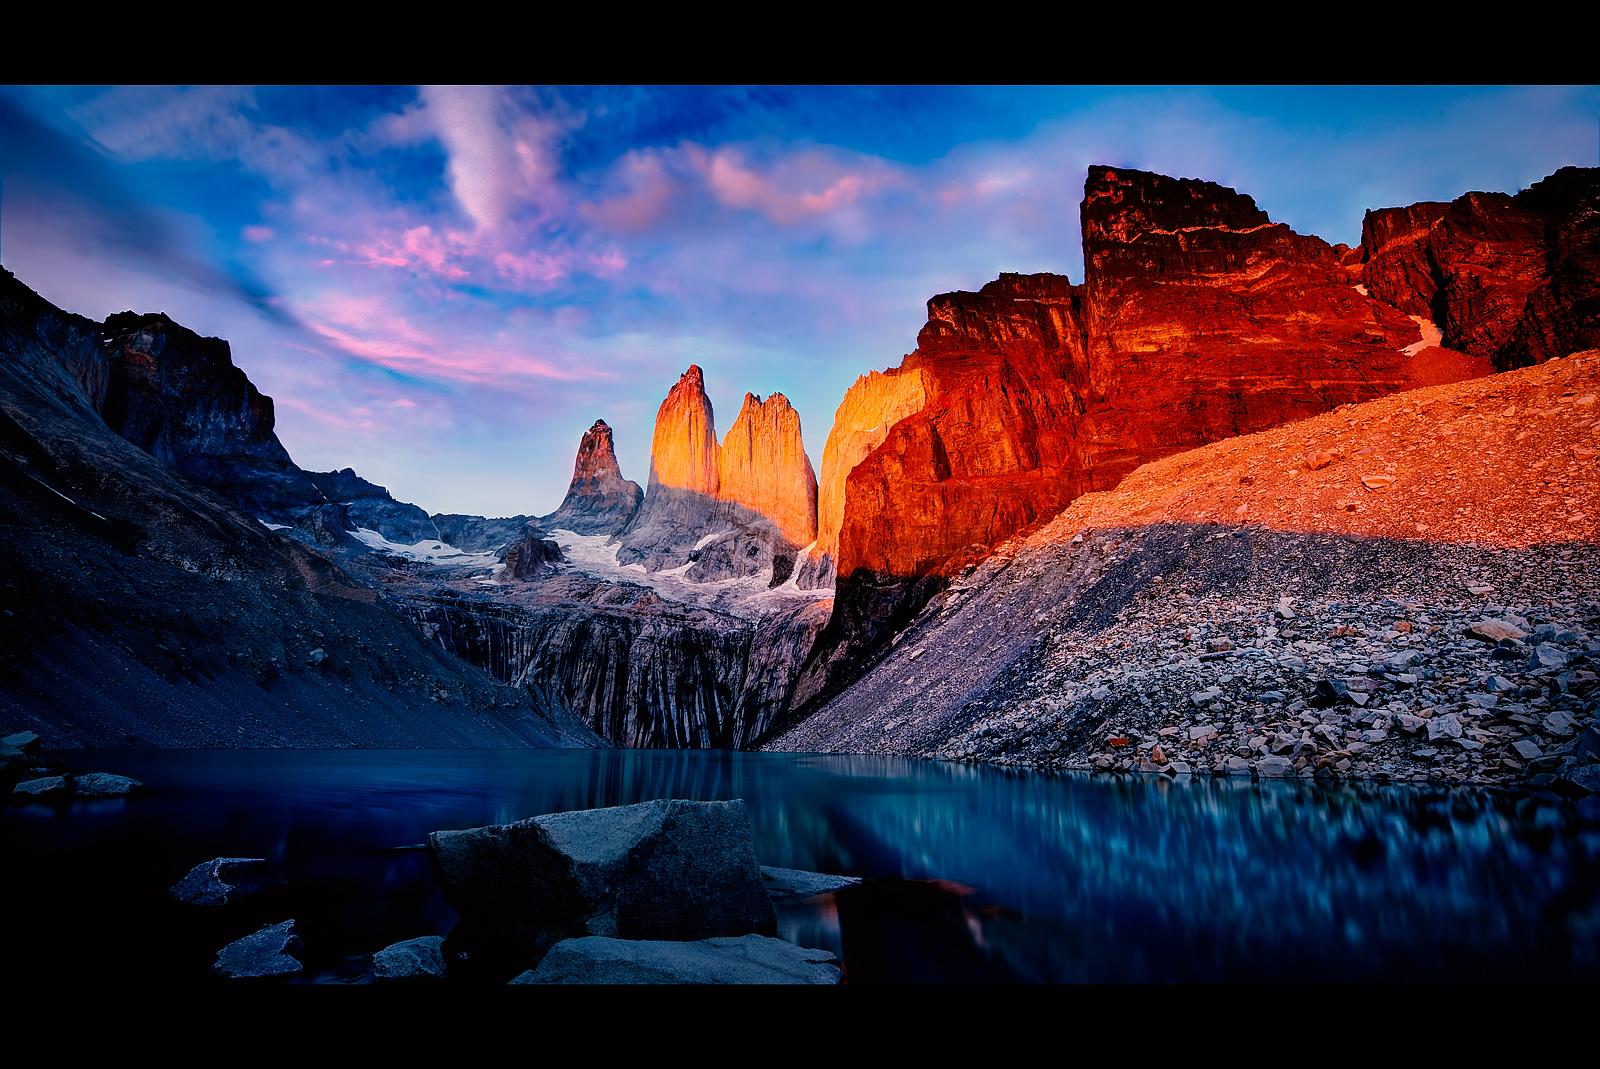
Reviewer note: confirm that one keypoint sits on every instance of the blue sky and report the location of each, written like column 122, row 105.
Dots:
column 442, row 287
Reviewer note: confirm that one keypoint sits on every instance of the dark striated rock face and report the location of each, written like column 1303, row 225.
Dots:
column 640, row 671
column 368, row 505
column 1512, row 279
column 1200, row 319
column 158, row 614
column 599, row 500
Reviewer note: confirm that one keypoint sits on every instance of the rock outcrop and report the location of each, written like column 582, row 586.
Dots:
column 178, row 397
column 736, row 509
column 1511, row 279
column 1199, row 319
column 599, row 500
column 670, row 869
column 368, row 505
column 160, row 614
column 530, row 558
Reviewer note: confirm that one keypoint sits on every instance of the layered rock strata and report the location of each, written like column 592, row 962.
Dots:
column 1512, row 279
column 1398, row 589
column 734, row 509
column 599, row 500
column 1200, row 319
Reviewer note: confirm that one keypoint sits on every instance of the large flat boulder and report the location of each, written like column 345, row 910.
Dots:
column 749, row 959
column 670, row 869
column 225, row 879
column 267, row 953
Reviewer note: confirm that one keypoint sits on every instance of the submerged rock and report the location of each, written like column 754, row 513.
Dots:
column 269, row 952
column 43, row 789
column 749, row 959
column 225, row 879
column 659, row 870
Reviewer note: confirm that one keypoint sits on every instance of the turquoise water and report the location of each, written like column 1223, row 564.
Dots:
column 1047, row 877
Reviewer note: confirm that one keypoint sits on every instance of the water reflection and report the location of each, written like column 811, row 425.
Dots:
column 1071, row 878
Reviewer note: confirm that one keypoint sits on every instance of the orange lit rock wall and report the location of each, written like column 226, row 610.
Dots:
column 1200, row 319
column 764, row 467
column 873, row 404
column 684, row 453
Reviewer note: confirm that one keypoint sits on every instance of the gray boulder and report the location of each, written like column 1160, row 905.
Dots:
column 269, row 952
column 105, row 785
column 659, row 870
column 225, row 879
column 749, row 959
column 413, row 961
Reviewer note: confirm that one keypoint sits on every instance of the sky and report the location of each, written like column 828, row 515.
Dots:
column 444, row 286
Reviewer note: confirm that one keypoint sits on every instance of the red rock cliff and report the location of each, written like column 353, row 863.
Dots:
column 1201, row 319
column 599, row 500
column 1512, row 279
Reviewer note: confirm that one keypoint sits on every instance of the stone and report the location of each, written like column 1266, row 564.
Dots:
column 267, row 953
column 106, row 785
column 1237, row 766
column 1558, row 722
column 1527, row 749
column 1274, row 767
column 43, row 789
column 1446, row 726
column 1218, row 645
column 798, row 883
column 1330, row 692
column 410, row 962
column 1494, row 631
column 1498, row 685
column 1205, row 697
column 224, row 880
column 1584, row 779
column 1411, row 725
column 666, row 869
column 26, row 741
column 749, row 959
column 1547, row 655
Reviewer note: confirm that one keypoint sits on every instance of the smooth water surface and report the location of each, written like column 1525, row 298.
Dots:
column 1061, row 877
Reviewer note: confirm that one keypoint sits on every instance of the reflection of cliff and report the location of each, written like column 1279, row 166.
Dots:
column 739, row 508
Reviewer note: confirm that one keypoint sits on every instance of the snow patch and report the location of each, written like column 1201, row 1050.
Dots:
column 428, row 551
column 1363, row 291
column 749, row 598
column 273, row 526
column 1431, row 336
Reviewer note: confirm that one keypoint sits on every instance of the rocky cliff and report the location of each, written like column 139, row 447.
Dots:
column 599, row 500
column 1512, row 279
column 730, row 510
column 873, row 404
column 145, row 610
column 1199, row 319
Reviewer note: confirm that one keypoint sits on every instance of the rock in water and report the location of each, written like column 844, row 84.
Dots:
column 659, row 870
column 599, row 500
column 749, row 959
column 413, row 961
column 269, row 952
column 106, row 785
column 225, row 879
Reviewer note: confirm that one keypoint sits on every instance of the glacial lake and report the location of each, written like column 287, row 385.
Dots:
column 994, row 874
